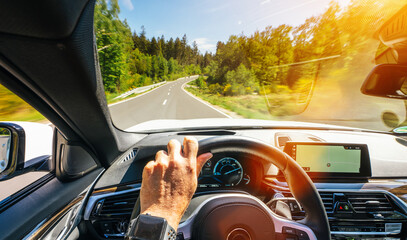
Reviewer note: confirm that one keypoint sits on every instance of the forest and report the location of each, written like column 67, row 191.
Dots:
column 130, row 59
column 282, row 62
column 244, row 63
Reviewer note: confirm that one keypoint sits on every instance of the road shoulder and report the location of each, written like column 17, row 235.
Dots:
column 225, row 112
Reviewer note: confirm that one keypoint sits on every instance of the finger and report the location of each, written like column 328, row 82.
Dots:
column 148, row 172
column 162, row 162
column 161, row 159
column 190, row 147
column 201, row 160
column 174, row 148
column 148, row 169
column 161, row 154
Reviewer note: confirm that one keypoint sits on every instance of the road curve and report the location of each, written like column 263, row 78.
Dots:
column 169, row 101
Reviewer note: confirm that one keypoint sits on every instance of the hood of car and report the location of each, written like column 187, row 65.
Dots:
column 224, row 123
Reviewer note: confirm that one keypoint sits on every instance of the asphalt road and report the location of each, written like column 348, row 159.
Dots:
column 169, row 101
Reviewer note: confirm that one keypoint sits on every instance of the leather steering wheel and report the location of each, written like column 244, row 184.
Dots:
column 240, row 216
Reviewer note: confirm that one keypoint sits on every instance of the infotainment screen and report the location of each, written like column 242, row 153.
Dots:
column 331, row 159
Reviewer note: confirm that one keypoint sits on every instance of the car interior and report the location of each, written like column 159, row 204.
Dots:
column 266, row 179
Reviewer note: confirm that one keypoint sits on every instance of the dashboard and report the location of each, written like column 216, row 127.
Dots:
column 370, row 207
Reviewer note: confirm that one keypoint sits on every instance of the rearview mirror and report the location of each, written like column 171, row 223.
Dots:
column 393, row 34
column 387, row 80
column 12, row 145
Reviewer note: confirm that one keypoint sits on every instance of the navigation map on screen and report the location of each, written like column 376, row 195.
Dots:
column 328, row 159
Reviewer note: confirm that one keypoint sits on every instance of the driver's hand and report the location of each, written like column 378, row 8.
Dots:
column 170, row 181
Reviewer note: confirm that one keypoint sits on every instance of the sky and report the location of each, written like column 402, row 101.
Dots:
column 210, row 21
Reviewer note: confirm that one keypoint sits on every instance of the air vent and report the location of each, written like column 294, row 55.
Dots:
column 130, row 156
column 402, row 141
column 328, row 200
column 116, row 206
column 354, row 226
column 369, row 202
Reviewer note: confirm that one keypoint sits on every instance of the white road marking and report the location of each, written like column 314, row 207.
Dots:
column 165, row 101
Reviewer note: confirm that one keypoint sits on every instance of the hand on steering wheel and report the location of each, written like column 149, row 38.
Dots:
column 170, row 181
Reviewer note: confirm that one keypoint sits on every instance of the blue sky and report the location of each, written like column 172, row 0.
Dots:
column 209, row 21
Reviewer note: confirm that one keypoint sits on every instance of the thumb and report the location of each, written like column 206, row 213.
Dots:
column 201, row 160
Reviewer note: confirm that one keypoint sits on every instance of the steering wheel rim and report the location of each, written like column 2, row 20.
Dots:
column 300, row 184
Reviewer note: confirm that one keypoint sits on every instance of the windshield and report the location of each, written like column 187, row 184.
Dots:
column 292, row 60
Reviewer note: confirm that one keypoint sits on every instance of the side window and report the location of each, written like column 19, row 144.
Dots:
column 37, row 148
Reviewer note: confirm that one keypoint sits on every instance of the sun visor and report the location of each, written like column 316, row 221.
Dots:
column 47, row 19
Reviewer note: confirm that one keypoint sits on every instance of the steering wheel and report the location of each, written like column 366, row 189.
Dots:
column 244, row 217
column 226, row 216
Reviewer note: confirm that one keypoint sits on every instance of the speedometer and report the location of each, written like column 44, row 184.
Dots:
column 229, row 171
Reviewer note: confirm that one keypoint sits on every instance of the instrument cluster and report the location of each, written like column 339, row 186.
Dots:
column 227, row 171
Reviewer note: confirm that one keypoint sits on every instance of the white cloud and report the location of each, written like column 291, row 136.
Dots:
column 205, row 45
column 264, row 2
column 240, row 22
column 128, row 4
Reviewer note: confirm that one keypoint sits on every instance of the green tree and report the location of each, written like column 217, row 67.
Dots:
column 240, row 81
column 114, row 43
column 163, row 67
column 154, row 49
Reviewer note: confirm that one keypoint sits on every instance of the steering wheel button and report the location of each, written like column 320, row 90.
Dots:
column 302, row 235
column 289, row 230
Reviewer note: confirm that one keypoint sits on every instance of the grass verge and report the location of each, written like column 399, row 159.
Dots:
column 13, row 108
column 110, row 97
column 247, row 106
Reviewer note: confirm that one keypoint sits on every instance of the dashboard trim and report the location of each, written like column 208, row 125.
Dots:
column 364, row 233
column 45, row 224
column 186, row 226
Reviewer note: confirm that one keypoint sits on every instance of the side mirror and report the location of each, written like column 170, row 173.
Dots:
column 12, row 148
column 387, row 80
